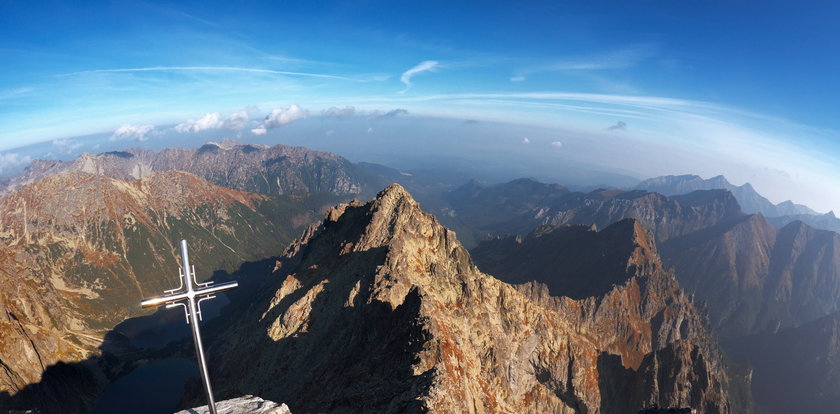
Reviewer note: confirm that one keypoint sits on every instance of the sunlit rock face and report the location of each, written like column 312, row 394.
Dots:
column 380, row 309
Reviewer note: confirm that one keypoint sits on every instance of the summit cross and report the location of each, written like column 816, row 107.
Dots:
column 192, row 295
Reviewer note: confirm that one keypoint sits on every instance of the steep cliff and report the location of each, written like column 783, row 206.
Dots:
column 381, row 309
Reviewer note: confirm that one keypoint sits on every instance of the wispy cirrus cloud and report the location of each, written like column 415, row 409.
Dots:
column 625, row 58
column 425, row 66
column 212, row 69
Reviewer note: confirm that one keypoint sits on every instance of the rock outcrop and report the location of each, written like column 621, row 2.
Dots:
column 243, row 405
column 380, row 309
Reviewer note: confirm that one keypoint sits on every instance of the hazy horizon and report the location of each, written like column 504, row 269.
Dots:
column 536, row 90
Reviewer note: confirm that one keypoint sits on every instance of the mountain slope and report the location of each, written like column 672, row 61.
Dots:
column 578, row 262
column 756, row 278
column 750, row 200
column 278, row 169
column 798, row 369
column 827, row 221
column 380, row 309
column 80, row 251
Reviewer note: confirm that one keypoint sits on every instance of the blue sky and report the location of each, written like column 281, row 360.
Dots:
column 745, row 89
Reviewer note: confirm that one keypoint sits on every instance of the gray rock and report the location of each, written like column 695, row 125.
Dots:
column 247, row 404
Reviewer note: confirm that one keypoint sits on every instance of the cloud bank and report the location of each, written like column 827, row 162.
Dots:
column 335, row 112
column 10, row 162
column 378, row 115
column 66, row 145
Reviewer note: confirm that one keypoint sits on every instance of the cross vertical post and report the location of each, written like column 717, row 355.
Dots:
column 188, row 293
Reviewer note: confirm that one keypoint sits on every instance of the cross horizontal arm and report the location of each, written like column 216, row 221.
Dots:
column 209, row 290
column 162, row 300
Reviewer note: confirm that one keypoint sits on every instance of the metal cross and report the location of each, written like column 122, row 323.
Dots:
column 177, row 297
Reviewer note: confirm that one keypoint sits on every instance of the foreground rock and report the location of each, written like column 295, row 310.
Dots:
column 242, row 405
column 380, row 309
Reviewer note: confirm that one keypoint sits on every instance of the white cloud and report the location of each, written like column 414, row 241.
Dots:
column 517, row 78
column 279, row 117
column 135, row 132
column 370, row 129
column 10, row 162
column 526, row 140
column 282, row 116
column 236, row 120
column 330, row 132
column 557, row 144
column 335, row 112
column 208, row 121
column 427, row 65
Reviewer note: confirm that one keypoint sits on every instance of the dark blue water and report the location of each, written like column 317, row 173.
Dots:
column 153, row 388
column 157, row 330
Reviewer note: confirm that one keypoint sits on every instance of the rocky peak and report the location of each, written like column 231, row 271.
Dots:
column 381, row 309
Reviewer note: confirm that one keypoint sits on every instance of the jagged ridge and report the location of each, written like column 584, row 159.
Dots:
column 381, row 309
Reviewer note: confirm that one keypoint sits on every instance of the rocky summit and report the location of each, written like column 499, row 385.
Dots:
column 380, row 309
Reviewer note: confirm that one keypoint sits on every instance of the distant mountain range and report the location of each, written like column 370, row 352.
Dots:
column 749, row 200
column 279, row 170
